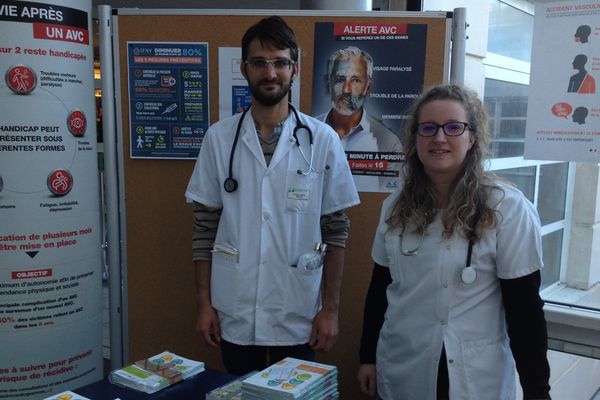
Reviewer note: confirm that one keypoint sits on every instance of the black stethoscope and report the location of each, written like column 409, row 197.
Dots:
column 231, row 184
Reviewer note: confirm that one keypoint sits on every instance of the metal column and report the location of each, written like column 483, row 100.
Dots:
column 111, row 188
column 459, row 39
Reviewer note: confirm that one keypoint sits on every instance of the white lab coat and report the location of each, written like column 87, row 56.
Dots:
column 262, row 298
column 430, row 306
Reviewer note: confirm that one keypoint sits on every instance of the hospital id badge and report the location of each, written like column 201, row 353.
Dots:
column 297, row 191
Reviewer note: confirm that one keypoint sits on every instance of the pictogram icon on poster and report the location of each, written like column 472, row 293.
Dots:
column 21, row 79
column 60, row 182
column 77, row 123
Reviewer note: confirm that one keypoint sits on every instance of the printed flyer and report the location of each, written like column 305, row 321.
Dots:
column 168, row 97
column 366, row 75
column 50, row 254
column 563, row 115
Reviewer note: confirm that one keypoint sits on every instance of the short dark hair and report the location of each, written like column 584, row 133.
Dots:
column 272, row 30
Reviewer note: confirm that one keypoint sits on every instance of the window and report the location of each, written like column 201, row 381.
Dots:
column 569, row 278
column 505, row 96
column 506, row 103
column 546, row 186
column 568, row 288
column 511, row 29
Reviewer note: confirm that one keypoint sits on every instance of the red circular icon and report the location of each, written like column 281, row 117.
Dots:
column 21, row 79
column 60, row 182
column 77, row 123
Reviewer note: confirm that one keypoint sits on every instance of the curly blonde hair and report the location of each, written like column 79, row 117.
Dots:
column 469, row 194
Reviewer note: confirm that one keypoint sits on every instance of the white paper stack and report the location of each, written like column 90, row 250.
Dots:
column 292, row 379
column 152, row 374
column 229, row 391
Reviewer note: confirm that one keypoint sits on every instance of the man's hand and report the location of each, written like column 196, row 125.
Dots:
column 325, row 330
column 208, row 321
column 208, row 325
column 367, row 379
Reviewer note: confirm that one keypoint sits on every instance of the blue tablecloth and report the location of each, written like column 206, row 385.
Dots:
column 192, row 388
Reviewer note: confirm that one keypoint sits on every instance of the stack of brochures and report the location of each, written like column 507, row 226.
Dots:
column 294, row 379
column 229, row 391
column 152, row 374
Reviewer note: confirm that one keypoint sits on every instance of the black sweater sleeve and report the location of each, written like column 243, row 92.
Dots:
column 527, row 333
column 374, row 313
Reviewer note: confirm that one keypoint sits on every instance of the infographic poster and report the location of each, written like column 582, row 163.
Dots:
column 50, row 254
column 168, row 98
column 563, row 114
column 366, row 75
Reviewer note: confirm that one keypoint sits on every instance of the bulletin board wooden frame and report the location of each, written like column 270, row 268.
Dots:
column 158, row 287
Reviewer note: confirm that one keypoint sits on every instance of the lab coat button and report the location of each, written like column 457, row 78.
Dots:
column 448, row 246
column 266, row 217
column 445, row 285
column 450, row 361
column 443, row 322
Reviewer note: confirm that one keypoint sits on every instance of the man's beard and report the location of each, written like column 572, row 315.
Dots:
column 349, row 104
column 271, row 98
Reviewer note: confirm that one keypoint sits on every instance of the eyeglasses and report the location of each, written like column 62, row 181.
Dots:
column 429, row 129
column 279, row 64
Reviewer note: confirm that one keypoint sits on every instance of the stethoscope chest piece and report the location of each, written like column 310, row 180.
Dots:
column 468, row 275
column 230, row 185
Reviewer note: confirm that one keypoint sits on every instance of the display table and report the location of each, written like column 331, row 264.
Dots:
column 192, row 388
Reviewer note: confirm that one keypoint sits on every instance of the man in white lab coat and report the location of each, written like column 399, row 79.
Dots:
column 268, row 186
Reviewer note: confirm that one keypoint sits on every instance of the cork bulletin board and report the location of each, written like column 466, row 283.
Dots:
column 158, row 222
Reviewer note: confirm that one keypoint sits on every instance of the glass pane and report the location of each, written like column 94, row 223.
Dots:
column 553, row 192
column 514, row 107
column 506, row 103
column 552, row 248
column 490, row 105
column 511, row 128
column 510, row 31
column 523, row 178
column 503, row 150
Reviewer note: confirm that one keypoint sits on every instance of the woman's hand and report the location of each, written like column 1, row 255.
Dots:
column 367, row 379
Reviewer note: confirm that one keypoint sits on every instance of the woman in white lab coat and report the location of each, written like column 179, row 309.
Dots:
column 454, row 296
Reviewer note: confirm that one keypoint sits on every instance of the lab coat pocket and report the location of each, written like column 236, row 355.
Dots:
column 489, row 368
column 224, row 282
column 302, row 195
column 303, row 292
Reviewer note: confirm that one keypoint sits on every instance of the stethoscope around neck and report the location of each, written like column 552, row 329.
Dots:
column 230, row 184
column 468, row 273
